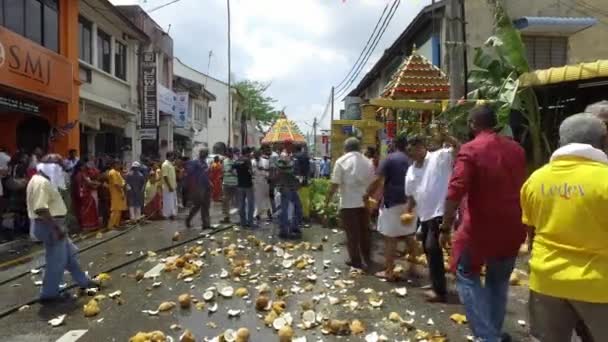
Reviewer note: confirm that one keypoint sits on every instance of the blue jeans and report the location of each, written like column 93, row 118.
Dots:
column 485, row 306
column 246, row 206
column 290, row 197
column 59, row 255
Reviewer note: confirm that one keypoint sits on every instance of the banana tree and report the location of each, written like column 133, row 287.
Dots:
column 498, row 65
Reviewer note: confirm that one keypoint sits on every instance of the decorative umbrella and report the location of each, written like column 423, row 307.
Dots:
column 284, row 130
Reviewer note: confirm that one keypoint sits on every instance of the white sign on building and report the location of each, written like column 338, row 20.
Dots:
column 166, row 100
column 180, row 118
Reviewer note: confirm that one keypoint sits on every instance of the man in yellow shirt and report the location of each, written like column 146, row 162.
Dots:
column 169, row 181
column 46, row 209
column 564, row 203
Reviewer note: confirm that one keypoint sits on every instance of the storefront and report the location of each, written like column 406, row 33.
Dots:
column 104, row 131
column 38, row 92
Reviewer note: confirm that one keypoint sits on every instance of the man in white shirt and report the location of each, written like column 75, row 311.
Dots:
column 352, row 174
column 426, row 187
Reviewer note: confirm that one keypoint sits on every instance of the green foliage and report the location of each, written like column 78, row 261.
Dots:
column 257, row 105
column 319, row 188
column 498, row 66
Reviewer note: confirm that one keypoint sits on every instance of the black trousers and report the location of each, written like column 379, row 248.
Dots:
column 201, row 200
column 434, row 254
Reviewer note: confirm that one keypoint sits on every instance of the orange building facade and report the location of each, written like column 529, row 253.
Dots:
column 39, row 83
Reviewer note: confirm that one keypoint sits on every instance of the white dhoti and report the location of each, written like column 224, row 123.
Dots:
column 262, row 196
column 169, row 203
column 389, row 222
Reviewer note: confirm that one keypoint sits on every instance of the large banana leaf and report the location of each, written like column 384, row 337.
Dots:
column 498, row 65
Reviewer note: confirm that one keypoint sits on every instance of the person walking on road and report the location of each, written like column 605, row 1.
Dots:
column 563, row 205
column 197, row 180
column 169, row 187
column 47, row 210
column 352, row 174
column 244, row 174
column 136, row 184
column 488, row 173
column 426, row 186
column 229, row 183
column 261, row 168
column 391, row 173
column 288, row 185
column 215, row 172
column 118, row 200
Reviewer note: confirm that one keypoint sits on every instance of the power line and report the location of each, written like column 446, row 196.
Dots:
column 572, row 7
column 592, row 8
column 371, row 49
column 385, row 25
column 371, row 36
column 388, row 20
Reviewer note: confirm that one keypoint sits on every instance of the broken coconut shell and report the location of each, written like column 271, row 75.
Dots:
column 286, row 334
column 154, row 336
column 242, row 335
column 91, row 308
column 184, row 300
column 208, row 295
column 227, row 291
column 187, row 336
column 241, row 292
column 166, row 306
column 261, row 303
column 139, row 275
column 357, row 327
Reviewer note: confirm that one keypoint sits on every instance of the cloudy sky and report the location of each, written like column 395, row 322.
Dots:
column 302, row 47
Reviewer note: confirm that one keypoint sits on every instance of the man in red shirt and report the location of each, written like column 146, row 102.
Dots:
column 488, row 174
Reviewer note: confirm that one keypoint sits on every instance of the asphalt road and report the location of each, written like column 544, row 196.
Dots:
column 122, row 317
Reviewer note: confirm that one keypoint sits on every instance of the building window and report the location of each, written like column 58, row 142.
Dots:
column 120, row 61
column 85, row 39
column 104, row 51
column 209, row 112
column 546, row 52
column 34, row 19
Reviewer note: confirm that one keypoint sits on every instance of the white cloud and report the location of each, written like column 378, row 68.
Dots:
column 302, row 46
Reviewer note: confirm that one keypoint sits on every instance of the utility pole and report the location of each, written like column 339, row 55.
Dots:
column 456, row 49
column 229, row 80
column 332, row 104
column 314, row 137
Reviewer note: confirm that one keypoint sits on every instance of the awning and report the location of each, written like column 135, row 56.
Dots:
column 554, row 25
column 568, row 73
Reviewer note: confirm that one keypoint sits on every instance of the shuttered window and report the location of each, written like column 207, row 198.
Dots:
column 546, row 52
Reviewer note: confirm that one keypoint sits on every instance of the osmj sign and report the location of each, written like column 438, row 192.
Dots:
column 27, row 66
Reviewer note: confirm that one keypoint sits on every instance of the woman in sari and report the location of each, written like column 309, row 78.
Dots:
column 153, row 197
column 118, row 200
column 85, row 203
column 215, row 173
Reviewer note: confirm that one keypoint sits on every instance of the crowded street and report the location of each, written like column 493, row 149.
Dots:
column 303, row 171
column 122, row 316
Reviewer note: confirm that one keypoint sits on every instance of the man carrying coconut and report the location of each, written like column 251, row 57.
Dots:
column 488, row 173
column 352, row 174
column 391, row 174
column 426, row 185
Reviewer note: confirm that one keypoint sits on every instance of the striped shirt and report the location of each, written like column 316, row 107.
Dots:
column 230, row 178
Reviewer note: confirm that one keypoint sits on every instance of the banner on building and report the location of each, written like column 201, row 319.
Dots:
column 166, row 100
column 149, row 118
column 180, row 119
